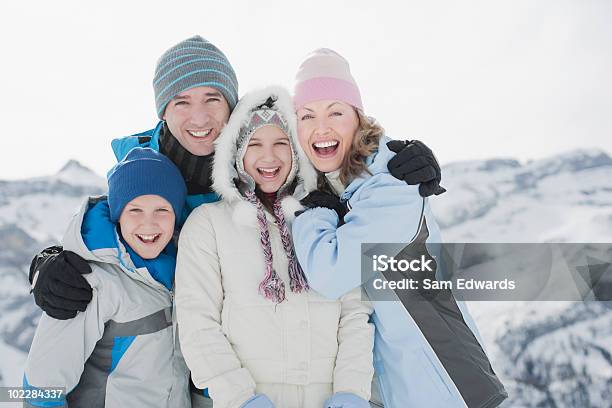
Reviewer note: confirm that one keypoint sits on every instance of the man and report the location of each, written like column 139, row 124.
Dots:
column 195, row 92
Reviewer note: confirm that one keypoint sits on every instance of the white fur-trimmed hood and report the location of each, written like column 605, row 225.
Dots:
column 224, row 172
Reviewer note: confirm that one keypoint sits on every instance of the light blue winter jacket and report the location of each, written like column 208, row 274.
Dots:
column 381, row 209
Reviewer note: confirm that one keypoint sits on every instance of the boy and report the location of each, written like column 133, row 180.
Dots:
column 121, row 351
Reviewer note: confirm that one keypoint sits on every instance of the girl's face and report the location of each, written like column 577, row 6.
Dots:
column 268, row 158
column 147, row 225
column 326, row 130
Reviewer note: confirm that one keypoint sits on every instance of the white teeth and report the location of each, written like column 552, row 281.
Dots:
column 271, row 171
column 326, row 144
column 201, row 133
column 148, row 238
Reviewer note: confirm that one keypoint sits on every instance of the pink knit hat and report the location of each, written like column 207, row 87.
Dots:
column 325, row 74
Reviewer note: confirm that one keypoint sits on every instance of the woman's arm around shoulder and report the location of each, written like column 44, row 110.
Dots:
column 382, row 209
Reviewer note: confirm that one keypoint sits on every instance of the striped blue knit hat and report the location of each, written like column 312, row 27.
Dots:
column 189, row 64
column 144, row 171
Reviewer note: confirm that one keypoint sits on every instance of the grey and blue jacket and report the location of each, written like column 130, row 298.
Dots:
column 122, row 351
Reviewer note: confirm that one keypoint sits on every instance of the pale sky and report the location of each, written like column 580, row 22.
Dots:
column 481, row 79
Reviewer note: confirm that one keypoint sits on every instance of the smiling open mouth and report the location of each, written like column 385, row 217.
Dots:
column 200, row 133
column 148, row 239
column 326, row 149
column 268, row 172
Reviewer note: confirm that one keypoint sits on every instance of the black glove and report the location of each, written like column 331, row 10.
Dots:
column 59, row 289
column 324, row 199
column 415, row 163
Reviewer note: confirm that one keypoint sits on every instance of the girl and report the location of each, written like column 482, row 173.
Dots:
column 251, row 329
column 425, row 354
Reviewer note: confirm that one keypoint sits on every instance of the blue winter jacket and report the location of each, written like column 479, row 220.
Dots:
column 385, row 209
column 150, row 138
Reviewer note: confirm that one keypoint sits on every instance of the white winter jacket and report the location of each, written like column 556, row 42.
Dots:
column 238, row 343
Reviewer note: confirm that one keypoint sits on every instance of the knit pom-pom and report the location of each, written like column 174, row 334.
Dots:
column 272, row 287
column 245, row 213
column 290, row 206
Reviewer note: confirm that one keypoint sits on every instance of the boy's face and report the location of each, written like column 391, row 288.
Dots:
column 195, row 117
column 268, row 158
column 147, row 225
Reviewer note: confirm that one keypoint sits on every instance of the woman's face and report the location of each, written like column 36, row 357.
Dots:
column 326, row 130
column 268, row 158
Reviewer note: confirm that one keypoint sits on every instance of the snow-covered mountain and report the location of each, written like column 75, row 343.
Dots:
column 549, row 354
column 565, row 198
column 33, row 214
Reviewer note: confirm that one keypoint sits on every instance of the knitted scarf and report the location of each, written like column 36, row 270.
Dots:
column 272, row 286
column 196, row 170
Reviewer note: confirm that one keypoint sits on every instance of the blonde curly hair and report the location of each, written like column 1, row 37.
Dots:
column 364, row 144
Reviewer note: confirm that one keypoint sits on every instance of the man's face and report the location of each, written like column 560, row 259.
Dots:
column 147, row 225
column 195, row 117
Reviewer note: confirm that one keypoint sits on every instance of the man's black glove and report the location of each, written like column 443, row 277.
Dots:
column 324, row 199
column 59, row 289
column 415, row 163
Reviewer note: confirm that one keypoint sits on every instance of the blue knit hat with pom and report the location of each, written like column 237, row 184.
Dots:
column 144, row 171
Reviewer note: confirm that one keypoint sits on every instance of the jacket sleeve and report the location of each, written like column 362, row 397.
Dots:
column 354, row 363
column 199, row 301
column 60, row 348
column 383, row 209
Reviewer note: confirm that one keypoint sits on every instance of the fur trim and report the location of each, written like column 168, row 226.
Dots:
column 244, row 213
column 224, row 172
column 290, row 206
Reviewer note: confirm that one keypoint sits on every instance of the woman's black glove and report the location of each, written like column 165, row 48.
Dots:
column 415, row 163
column 324, row 199
column 59, row 289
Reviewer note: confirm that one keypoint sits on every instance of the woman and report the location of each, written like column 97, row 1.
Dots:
column 251, row 330
column 424, row 353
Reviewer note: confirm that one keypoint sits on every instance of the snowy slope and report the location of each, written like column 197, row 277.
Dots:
column 549, row 354
column 33, row 214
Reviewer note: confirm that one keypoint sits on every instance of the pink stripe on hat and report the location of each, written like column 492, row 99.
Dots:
column 325, row 74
